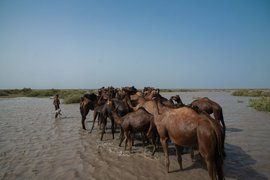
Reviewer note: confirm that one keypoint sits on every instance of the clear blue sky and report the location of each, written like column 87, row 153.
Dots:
column 165, row 44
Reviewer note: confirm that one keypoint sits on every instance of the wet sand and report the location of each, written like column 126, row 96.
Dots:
column 35, row 145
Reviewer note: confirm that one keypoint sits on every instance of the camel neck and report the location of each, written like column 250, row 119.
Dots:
column 157, row 107
column 117, row 118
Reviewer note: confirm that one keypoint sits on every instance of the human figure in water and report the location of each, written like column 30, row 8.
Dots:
column 56, row 103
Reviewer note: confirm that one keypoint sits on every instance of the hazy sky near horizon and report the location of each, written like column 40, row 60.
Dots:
column 165, row 44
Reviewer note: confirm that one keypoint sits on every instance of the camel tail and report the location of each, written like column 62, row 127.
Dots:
column 224, row 132
column 219, row 139
column 219, row 150
column 222, row 122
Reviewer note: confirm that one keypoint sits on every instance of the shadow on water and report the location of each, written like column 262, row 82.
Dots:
column 232, row 130
column 238, row 164
column 68, row 117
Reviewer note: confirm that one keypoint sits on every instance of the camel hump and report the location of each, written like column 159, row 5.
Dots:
column 91, row 96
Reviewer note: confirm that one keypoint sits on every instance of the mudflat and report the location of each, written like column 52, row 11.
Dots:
column 35, row 145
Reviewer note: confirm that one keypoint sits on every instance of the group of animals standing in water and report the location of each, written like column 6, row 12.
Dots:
column 158, row 120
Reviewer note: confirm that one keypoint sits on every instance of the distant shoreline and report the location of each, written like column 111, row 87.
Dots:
column 261, row 100
column 28, row 92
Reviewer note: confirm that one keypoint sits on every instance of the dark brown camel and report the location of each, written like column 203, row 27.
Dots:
column 150, row 93
column 209, row 106
column 136, row 96
column 104, row 111
column 90, row 101
column 178, row 101
column 87, row 102
column 137, row 121
column 186, row 128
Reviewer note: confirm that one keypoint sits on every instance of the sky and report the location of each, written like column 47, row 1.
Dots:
column 74, row 44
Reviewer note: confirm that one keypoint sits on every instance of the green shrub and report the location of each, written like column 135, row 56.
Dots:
column 13, row 91
column 33, row 94
column 42, row 93
column 72, row 98
column 260, row 104
column 48, row 93
column 252, row 93
column 26, row 90
column 265, row 93
column 3, row 93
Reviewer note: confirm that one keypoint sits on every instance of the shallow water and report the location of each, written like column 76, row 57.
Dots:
column 35, row 145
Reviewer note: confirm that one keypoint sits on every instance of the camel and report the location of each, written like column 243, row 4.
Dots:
column 178, row 101
column 137, row 121
column 186, row 128
column 210, row 106
column 87, row 102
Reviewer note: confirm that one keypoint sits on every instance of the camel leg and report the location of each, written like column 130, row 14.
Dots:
column 126, row 139
column 94, row 120
column 121, row 136
column 201, row 160
column 153, row 142
column 112, row 127
column 133, row 139
column 85, row 112
column 192, row 153
column 100, row 121
column 165, row 149
column 143, row 139
column 83, row 117
column 129, row 141
column 179, row 155
column 210, row 167
column 104, row 123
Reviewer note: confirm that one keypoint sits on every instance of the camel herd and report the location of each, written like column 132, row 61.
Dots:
column 159, row 119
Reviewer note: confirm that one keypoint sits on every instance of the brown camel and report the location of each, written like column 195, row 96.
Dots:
column 187, row 128
column 210, row 106
column 137, row 121
column 104, row 111
column 87, row 102
column 178, row 101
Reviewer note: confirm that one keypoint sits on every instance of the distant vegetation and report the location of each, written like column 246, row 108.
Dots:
column 68, row 95
column 193, row 90
column 177, row 90
column 251, row 93
column 262, row 103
